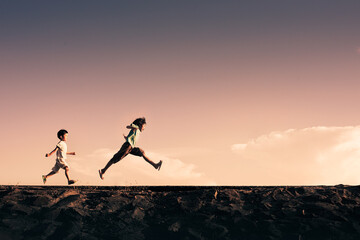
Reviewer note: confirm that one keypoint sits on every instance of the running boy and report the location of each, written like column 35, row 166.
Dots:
column 61, row 152
column 129, row 147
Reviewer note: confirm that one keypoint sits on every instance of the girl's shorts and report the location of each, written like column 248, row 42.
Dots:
column 125, row 150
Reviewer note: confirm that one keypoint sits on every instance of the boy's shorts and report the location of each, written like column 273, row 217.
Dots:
column 59, row 165
column 125, row 150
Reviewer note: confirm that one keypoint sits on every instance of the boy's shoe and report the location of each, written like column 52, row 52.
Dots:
column 71, row 182
column 44, row 178
column 101, row 175
column 159, row 165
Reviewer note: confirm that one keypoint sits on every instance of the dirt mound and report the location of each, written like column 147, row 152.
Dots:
column 319, row 212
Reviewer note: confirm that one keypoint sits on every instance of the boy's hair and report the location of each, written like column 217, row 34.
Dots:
column 61, row 133
column 139, row 122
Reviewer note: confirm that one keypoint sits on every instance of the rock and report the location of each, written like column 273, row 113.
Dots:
column 42, row 201
column 318, row 212
column 138, row 214
column 142, row 202
column 190, row 203
column 175, row 227
column 67, row 200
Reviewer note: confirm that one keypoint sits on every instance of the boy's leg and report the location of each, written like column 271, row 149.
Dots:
column 44, row 177
column 50, row 174
column 67, row 176
column 124, row 150
column 67, row 173
column 54, row 170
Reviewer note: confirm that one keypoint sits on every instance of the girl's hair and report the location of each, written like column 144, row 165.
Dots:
column 61, row 133
column 139, row 122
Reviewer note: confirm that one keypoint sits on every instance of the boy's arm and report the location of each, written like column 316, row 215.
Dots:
column 70, row 153
column 51, row 153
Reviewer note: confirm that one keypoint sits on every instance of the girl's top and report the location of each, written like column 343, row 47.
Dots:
column 133, row 135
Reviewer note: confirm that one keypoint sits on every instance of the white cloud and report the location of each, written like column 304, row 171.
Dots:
column 240, row 146
column 317, row 155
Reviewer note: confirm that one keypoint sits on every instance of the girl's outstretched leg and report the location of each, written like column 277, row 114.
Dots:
column 102, row 171
column 155, row 165
column 106, row 167
column 124, row 150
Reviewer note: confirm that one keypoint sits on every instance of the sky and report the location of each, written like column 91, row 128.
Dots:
column 234, row 92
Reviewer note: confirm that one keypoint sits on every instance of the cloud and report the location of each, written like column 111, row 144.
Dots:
column 134, row 170
column 358, row 50
column 317, row 155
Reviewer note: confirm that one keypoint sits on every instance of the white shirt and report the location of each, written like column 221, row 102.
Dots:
column 61, row 152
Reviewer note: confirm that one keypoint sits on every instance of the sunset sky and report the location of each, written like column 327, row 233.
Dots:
column 234, row 92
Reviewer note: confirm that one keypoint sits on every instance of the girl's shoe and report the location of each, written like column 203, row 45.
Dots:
column 101, row 174
column 159, row 165
column 71, row 182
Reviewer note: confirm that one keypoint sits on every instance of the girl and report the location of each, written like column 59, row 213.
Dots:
column 129, row 147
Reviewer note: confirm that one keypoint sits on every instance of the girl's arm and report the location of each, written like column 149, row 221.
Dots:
column 70, row 153
column 132, row 126
column 51, row 153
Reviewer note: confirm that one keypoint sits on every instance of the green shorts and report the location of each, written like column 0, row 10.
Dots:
column 125, row 150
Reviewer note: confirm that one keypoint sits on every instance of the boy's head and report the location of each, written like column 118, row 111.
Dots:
column 62, row 134
column 140, row 122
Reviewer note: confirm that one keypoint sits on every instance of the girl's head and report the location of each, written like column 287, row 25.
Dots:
column 140, row 122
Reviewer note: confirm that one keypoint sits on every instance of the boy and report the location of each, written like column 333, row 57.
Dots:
column 61, row 152
column 129, row 147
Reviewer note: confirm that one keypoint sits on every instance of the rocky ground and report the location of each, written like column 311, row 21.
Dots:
column 88, row 212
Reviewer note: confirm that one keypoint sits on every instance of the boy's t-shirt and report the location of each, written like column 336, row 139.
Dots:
column 61, row 152
column 133, row 135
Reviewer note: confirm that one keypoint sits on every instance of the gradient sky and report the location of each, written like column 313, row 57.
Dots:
column 234, row 92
